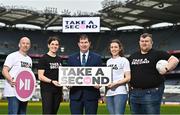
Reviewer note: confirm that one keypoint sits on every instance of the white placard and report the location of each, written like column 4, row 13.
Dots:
column 85, row 76
column 81, row 24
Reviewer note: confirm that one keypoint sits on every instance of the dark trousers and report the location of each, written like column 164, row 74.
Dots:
column 78, row 106
column 50, row 102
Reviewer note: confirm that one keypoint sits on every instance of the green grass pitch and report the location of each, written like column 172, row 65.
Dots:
column 35, row 108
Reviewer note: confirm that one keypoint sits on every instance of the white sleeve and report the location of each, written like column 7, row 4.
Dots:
column 107, row 62
column 126, row 65
column 9, row 61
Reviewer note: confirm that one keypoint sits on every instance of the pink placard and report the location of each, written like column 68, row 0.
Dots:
column 25, row 85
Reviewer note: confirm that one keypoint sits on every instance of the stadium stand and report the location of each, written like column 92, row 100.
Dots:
column 164, row 39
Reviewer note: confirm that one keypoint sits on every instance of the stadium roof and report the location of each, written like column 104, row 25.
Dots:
column 142, row 13
column 114, row 14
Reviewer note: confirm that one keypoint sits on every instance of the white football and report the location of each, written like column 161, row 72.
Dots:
column 161, row 64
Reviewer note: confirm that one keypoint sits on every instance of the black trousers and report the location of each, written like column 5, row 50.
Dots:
column 50, row 102
column 88, row 106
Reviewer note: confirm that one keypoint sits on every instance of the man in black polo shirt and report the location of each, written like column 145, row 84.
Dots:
column 147, row 84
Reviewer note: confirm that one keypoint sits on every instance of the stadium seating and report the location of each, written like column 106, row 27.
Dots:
column 164, row 39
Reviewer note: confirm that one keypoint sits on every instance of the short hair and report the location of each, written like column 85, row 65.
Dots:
column 84, row 36
column 121, row 53
column 53, row 38
column 23, row 38
column 144, row 35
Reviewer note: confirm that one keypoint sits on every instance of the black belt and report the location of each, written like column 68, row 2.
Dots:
column 134, row 88
column 162, row 84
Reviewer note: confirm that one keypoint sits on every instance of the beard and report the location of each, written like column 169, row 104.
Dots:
column 145, row 49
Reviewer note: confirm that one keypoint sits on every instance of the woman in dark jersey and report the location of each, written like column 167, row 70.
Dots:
column 48, row 65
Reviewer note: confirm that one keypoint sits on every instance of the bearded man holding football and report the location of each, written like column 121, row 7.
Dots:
column 147, row 82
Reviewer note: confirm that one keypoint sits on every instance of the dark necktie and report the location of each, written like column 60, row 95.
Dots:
column 83, row 60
